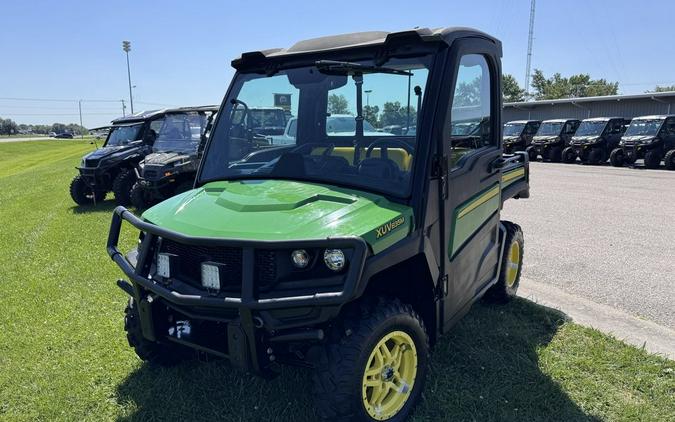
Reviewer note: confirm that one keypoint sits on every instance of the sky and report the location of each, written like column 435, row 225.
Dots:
column 65, row 51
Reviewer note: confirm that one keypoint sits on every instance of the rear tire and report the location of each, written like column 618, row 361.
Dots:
column 351, row 356
column 82, row 194
column 616, row 157
column 669, row 160
column 511, row 266
column 149, row 351
column 122, row 186
column 569, row 156
column 652, row 159
column 555, row 154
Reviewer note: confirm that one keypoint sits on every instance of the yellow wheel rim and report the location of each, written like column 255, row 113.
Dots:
column 512, row 264
column 389, row 375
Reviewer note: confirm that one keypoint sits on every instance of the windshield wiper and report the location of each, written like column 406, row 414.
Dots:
column 356, row 68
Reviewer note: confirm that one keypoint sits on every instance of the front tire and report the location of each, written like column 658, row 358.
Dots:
column 616, row 157
column 569, row 156
column 149, row 351
column 139, row 196
column 555, row 154
column 652, row 159
column 511, row 265
column 122, row 186
column 374, row 364
column 532, row 153
column 82, row 194
column 669, row 160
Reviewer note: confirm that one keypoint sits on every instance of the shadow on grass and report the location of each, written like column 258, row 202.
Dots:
column 106, row 206
column 486, row 368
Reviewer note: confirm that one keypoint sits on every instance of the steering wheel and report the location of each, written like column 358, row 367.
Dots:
column 326, row 153
column 383, row 144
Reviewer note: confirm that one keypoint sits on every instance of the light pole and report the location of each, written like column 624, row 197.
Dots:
column 79, row 105
column 126, row 46
column 368, row 91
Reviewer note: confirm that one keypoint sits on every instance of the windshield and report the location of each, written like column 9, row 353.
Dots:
column 181, row 132
column 643, row 127
column 513, row 129
column 550, row 128
column 324, row 141
column 122, row 135
column 591, row 127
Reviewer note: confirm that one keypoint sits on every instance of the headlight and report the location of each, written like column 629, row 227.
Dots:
column 334, row 259
column 649, row 141
column 300, row 258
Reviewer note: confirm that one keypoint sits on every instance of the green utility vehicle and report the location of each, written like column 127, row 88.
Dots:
column 518, row 134
column 595, row 139
column 648, row 137
column 551, row 138
column 173, row 163
column 345, row 252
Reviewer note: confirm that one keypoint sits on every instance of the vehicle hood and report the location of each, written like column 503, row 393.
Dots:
column 510, row 138
column 107, row 151
column 164, row 158
column 283, row 210
column 637, row 138
column 585, row 138
column 544, row 138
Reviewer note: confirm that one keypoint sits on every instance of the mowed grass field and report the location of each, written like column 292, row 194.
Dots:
column 64, row 356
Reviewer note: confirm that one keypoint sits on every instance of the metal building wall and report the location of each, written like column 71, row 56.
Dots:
column 628, row 106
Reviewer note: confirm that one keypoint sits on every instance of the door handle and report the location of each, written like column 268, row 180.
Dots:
column 496, row 164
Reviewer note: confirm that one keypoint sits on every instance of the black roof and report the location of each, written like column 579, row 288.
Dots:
column 142, row 116
column 373, row 40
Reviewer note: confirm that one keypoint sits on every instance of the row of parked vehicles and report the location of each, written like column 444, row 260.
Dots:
column 596, row 140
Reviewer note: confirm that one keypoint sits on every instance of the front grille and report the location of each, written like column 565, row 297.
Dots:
column 190, row 258
column 149, row 173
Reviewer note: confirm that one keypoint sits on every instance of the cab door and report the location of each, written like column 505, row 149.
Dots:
column 470, row 147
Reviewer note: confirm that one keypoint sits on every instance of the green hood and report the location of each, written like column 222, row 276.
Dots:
column 283, row 210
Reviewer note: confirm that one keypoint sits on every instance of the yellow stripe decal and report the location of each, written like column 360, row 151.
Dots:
column 479, row 201
column 513, row 174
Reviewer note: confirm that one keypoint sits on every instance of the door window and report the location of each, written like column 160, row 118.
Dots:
column 468, row 123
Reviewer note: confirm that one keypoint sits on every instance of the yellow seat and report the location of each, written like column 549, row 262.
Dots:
column 397, row 155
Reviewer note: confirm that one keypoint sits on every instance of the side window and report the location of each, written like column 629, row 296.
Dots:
column 670, row 127
column 467, row 127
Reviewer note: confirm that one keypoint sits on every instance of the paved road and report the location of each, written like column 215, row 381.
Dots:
column 34, row 138
column 604, row 233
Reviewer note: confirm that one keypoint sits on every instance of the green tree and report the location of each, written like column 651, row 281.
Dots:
column 467, row 93
column 659, row 88
column 394, row 114
column 8, row 127
column 511, row 91
column 337, row 104
column 370, row 115
column 580, row 85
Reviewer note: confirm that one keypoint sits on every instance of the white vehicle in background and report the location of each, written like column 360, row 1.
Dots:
column 336, row 125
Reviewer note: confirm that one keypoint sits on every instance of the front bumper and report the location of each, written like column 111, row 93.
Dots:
column 254, row 319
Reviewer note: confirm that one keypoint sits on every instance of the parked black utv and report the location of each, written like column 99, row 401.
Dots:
column 595, row 139
column 171, row 167
column 551, row 138
column 112, row 167
column 648, row 137
column 518, row 134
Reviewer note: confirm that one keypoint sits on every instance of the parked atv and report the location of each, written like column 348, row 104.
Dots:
column 112, row 167
column 171, row 167
column 552, row 138
column 349, row 254
column 595, row 139
column 518, row 134
column 648, row 137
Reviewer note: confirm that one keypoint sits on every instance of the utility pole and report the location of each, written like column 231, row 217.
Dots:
column 126, row 46
column 530, row 37
column 79, row 104
column 124, row 108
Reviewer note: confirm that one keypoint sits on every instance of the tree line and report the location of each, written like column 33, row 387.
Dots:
column 392, row 113
column 10, row 127
column 558, row 86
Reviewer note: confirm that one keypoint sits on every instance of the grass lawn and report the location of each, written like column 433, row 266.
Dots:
column 63, row 353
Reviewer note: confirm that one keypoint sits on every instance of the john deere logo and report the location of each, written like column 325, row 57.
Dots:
column 387, row 228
